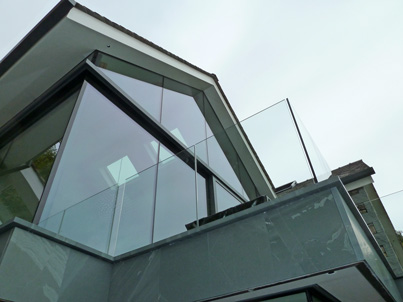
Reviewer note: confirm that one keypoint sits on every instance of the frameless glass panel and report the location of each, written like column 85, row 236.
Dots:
column 219, row 163
column 274, row 137
column 89, row 222
column 319, row 163
column 183, row 118
column 53, row 223
column 224, row 198
column 222, row 156
column 176, row 196
column 146, row 95
column 202, row 197
column 137, row 211
column 27, row 161
column 104, row 147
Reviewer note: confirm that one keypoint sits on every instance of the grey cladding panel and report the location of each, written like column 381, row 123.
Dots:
column 37, row 269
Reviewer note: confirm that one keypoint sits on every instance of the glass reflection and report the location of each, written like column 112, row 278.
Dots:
column 186, row 113
column 175, row 197
column 26, row 162
column 90, row 221
column 123, row 199
column 225, row 199
column 137, row 212
column 219, row 163
column 105, row 141
column 146, row 95
column 183, row 118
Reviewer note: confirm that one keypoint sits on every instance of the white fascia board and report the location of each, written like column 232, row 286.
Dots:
column 359, row 183
column 84, row 19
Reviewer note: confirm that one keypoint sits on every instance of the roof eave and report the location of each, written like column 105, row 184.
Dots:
column 31, row 38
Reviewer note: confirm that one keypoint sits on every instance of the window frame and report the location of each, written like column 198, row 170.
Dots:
column 362, row 208
column 372, row 228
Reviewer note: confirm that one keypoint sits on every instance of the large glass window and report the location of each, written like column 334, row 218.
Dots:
column 176, row 197
column 135, row 228
column 26, row 162
column 144, row 94
column 102, row 144
column 110, row 191
column 182, row 111
column 224, row 198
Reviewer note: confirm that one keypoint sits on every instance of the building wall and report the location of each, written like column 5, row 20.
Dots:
column 386, row 223
column 378, row 222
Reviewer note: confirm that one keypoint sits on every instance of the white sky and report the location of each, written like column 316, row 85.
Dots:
column 339, row 62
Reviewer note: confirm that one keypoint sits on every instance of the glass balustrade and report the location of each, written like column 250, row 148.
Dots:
column 158, row 201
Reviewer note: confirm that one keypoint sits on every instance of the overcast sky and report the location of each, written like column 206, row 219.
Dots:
column 340, row 63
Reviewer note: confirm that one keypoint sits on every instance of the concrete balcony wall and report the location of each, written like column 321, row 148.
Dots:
column 296, row 236
column 37, row 269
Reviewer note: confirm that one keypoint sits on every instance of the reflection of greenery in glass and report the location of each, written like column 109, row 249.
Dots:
column 43, row 163
column 12, row 205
